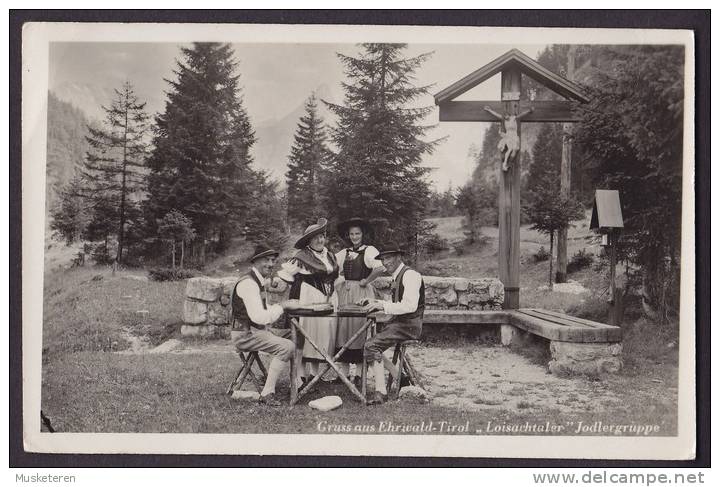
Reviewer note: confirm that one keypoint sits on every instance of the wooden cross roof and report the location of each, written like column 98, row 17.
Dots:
column 513, row 59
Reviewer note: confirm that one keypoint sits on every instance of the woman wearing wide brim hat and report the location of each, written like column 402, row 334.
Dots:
column 358, row 268
column 312, row 273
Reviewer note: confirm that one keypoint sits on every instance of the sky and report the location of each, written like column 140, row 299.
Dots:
column 276, row 79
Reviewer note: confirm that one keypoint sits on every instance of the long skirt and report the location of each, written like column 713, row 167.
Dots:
column 321, row 330
column 350, row 292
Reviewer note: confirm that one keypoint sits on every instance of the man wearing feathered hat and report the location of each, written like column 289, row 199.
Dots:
column 252, row 315
column 407, row 308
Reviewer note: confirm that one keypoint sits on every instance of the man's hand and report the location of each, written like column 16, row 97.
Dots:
column 374, row 305
column 363, row 283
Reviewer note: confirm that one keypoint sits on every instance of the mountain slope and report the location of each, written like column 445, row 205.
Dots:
column 66, row 145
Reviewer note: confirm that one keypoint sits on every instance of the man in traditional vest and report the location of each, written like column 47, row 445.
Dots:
column 407, row 308
column 252, row 315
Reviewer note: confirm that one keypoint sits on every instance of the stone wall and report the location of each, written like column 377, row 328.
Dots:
column 207, row 300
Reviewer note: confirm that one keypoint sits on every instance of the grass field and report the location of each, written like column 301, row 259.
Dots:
column 98, row 376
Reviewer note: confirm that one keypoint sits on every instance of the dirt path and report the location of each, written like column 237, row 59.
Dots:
column 496, row 378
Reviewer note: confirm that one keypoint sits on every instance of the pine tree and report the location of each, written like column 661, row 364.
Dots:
column 376, row 171
column 264, row 223
column 68, row 215
column 173, row 228
column 114, row 169
column 307, row 161
column 201, row 164
column 548, row 210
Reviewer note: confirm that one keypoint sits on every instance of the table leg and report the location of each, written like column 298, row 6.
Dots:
column 332, row 364
column 295, row 362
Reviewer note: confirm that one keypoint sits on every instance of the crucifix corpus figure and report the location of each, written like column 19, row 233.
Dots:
column 509, row 144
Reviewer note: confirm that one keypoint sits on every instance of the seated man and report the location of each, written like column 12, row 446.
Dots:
column 251, row 315
column 407, row 308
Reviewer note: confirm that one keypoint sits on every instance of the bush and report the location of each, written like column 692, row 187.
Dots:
column 580, row 260
column 593, row 308
column 434, row 243
column 169, row 274
column 541, row 255
column 101, row 255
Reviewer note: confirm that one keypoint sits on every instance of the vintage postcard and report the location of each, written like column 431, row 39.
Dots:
column 358, row 240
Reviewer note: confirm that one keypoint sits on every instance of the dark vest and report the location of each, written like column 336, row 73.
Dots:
column 355, row 269
column 398, row 291
column 241, row 319
column 319, row 278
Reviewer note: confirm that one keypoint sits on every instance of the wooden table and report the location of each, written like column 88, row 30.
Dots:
column 298, row 335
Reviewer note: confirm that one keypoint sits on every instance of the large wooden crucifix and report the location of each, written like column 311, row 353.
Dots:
column 512, row 109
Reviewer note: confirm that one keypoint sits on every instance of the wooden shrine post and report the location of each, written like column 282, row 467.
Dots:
column 509, row 201
column 512, row 65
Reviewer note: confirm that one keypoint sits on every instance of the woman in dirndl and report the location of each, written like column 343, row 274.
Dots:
column 312, row 273
column 358, row 268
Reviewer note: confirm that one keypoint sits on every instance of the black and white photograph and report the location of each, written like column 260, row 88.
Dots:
column 357, row 240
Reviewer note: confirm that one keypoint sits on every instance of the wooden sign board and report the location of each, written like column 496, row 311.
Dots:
column 606, row 213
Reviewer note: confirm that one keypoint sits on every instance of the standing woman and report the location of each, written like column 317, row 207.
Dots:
column 358, row 268
column 312, row 272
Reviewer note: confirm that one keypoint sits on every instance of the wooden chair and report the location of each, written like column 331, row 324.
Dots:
column 248, row 359
column 403, row 367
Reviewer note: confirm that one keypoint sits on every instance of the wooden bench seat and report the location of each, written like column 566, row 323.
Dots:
column 458, row 317
column 563, row 328
column 552, row 325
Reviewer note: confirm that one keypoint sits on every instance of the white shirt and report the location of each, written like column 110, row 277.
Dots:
column 411, row 283
column 250, row 293
column 370, row 260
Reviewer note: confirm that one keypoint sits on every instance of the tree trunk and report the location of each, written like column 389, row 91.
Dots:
column 182, row 254
column 550, row 277
column 565, row 179
column 173, row 255
column 121, row 231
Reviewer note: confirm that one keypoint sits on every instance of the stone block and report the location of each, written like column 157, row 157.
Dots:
column 204, row 289
column 217, row 314
column 228, row 284
column 438, row 282
column 509, row 335
column 462, row 284
column 463, row 300
column 585, row 358
column 202, row 331
column 225, row 299
column 194, row 312
column 449, row 297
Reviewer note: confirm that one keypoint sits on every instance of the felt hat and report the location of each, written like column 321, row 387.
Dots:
column 389, row 249
column 310, row 232
column 344, row 227
column 263, row 251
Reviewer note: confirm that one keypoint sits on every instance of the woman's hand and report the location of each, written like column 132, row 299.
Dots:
column 363, row 283
column 290, row 304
